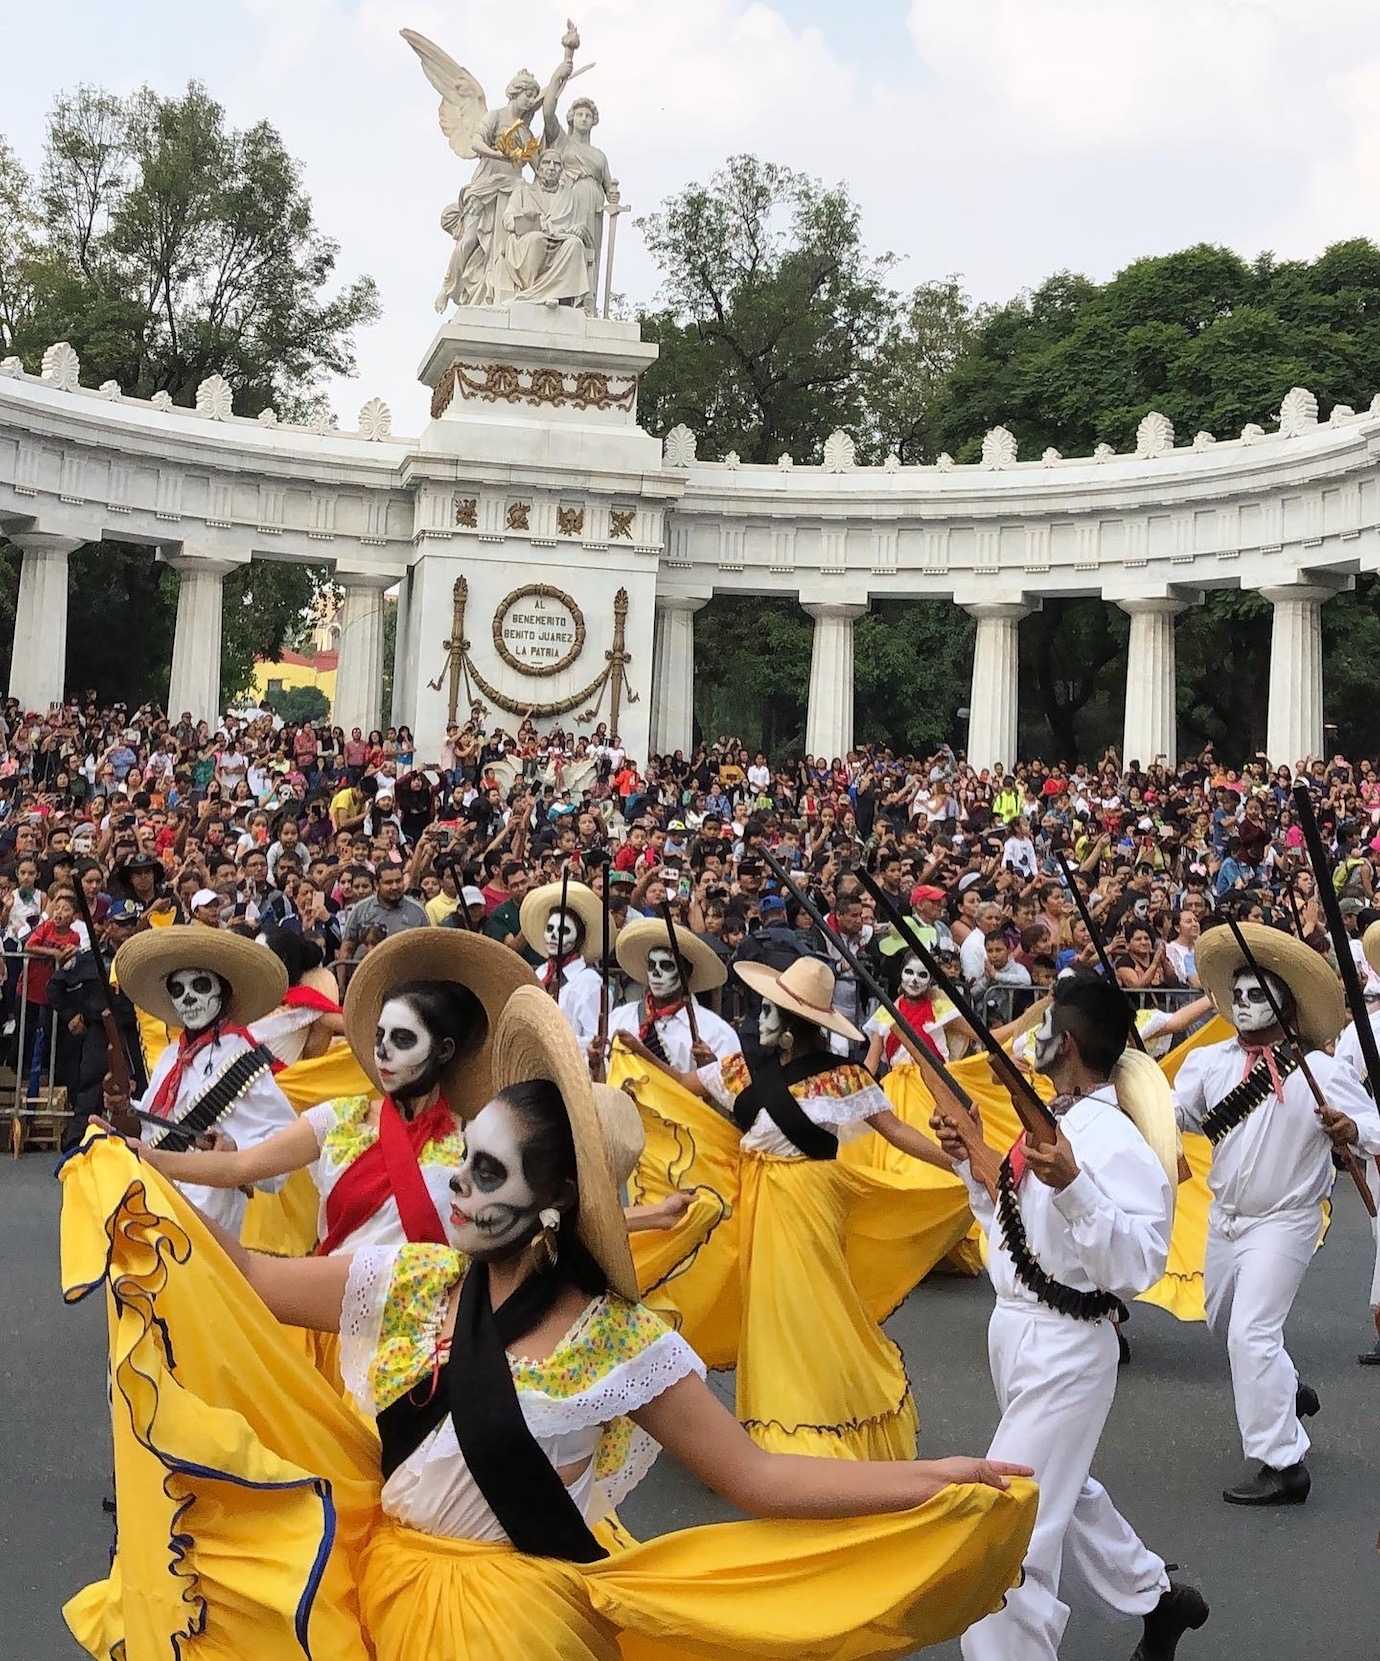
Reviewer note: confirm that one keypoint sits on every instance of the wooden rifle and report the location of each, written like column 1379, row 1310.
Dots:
column 952, row 1103
column 558, row 962
column 119, row 1076
column 1095, row 935
column 1039, row 1123
column 605, row 994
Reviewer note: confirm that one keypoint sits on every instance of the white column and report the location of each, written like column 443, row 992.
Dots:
column 194, row 686
column 673, row 672
column 1294, row 726
column 829, row 714
column 1151, row 687
column 994, row 702
column 398, row 715
column 359, row 671
column 38, row 663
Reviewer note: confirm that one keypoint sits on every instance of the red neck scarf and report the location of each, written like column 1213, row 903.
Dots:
column 390, row 1165
column 189, row 1046
column 653, row 1012
column 307, row 997
column 556, row 967
column 920, row 1013
column 1265, row 1053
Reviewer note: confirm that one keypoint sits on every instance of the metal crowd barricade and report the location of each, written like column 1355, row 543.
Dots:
column 999, row 1004
column 48, row 1112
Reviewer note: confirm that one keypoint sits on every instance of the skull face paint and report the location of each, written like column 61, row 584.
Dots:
column 771, row 1026
column 663, row 974
column 403, row 1046
column 1250, row 1008
column 1046, row 1042
column 558, row 941
column 198, row 995
column 495, row 1208
column 915, row 978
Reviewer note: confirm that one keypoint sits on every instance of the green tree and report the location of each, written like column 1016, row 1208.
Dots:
column 167, row 246
column 752, row 671
column 299, row 703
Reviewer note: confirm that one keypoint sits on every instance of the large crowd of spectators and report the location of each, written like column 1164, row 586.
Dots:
column 256, row 825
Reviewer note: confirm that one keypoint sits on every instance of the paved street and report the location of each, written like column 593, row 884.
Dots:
column 1284, row 1585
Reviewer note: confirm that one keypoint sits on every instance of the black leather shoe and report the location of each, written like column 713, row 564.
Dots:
column 1271, row 1487
column 1371, row 1358
column 1306, row 1402
column 1181, row 1609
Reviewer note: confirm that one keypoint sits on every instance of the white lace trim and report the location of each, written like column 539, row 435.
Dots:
column 628, row 1386
column 321, row 1119
column 642, row 1455
column 361, row 1319
column 846, row 1110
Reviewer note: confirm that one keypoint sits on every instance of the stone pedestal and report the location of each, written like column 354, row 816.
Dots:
column 994, row 707
column 1294, row 725
column 1151, row 687
column 673, row 672
column 359, row 670
column 829, row 714
column 194, row 686
column 38, row 664
column 536, row 490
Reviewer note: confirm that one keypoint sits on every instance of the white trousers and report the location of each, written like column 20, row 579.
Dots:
column 1055, row 1379
column 1253, row 1271
column 1373, row 1175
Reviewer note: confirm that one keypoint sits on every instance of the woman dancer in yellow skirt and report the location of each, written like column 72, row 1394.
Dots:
column 519, row 1390
column 815, row 1372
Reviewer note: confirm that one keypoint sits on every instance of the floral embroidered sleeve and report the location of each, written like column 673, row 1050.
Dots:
column 350, row 1133
column 390, row 1321
column 726, row 1078
column 843, row 1096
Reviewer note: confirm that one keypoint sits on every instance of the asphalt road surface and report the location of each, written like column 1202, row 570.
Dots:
column 1284, row 1585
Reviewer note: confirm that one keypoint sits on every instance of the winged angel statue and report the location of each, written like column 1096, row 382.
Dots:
column 536, row 239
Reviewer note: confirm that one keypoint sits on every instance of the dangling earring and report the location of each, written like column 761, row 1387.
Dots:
column 785, row 1044
column 544, row 1244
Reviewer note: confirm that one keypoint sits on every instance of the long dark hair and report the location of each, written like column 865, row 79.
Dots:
column 448, row 1010
column 549, row 1164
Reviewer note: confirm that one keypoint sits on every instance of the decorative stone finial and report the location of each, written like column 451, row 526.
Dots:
column 786, row 463
column 1375, row 404
column 1104, row 452
column 1154, row 436
column 1050, row 456
column 321, row 423
column 1340, row 413
column 1203, row 441
column 62, row 367
column 999, row 448
column 839, row 452
column 944, row 462
column 1298, row 412
column 892, row 464
column 376, row 420
column 267, row 417
column 12, row 367
column 678, row 447
column 110, row 391
column 1251, row 433
column 162, row 400
column 214, row 400
column 732, row 462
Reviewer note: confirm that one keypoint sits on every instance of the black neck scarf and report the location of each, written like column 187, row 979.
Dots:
column 519, row 1483
column 771, row 1089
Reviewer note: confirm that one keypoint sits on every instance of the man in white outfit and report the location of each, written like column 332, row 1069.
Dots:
column 659, row 1018
column 1349, row 1051
column 215, row 1080
column 571, row 941
column 1272, row 1169
column 1076, row 1228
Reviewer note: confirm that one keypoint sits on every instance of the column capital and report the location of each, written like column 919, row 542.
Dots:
column 191, row 560
column 366, row 580
column 845, row 611
column 45, row 542
column 690, row 603
column 1281, row 593
column 1154, row 605
column 1000, row 611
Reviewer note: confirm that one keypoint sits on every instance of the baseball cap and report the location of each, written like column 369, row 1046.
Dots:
column 471, row 895
column 771, row 902
column 204, row 896
column 123, row 911
column 925, row 891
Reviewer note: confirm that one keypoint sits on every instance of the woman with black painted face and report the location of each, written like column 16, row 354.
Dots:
column 519, row 1391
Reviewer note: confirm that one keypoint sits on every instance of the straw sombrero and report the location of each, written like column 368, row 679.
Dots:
column 638, row 939
column 1144, row 1095
column 490, row 970
column 580, row 901
column 257, row 980
column 532, row 1040
column 1370, row 945
column 805, row 987
column 622, row 1130
column 1316, row 988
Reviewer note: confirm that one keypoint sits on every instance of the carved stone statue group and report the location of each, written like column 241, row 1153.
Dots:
column 516, row 236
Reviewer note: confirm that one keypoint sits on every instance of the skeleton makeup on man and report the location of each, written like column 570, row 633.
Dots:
column 663, row 974
column 771, row 1025
column 1250, row 1008
column 915, row 978
column 406, row 1052
column 495, row 1207
column 198, row 995
column 557, row 940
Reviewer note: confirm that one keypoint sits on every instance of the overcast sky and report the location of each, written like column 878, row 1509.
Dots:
column 1002, row 139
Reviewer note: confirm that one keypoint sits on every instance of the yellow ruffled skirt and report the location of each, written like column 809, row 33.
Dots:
column 800, row 1261
column 249, row 1524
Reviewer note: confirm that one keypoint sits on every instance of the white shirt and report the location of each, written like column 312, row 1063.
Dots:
column 257, row 1113
column 1279, row 1158
column 843, row 1115
column 972, row 955
column 675, row 1033
column 1108, row 1231
column 582, row 991
column 1349, row 1047
column 1019, row 853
